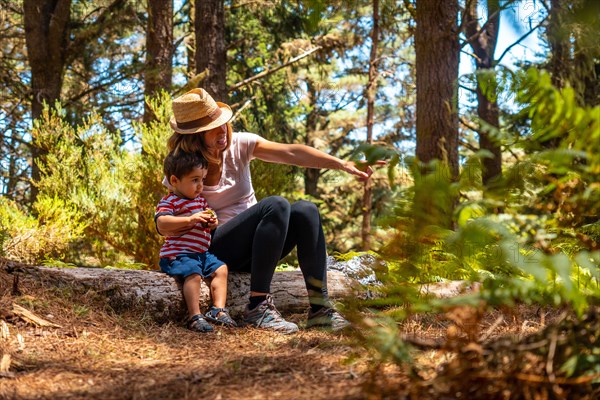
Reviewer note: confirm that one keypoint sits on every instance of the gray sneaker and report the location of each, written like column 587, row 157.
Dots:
column 266, row 316
column 326, row 318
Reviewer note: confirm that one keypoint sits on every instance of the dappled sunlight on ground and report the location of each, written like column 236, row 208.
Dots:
column 95, row 353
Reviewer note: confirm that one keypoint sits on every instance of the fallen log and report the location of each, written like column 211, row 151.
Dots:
column 160, row 296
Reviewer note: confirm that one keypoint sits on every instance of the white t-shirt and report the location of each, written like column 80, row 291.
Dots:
column 234, row 192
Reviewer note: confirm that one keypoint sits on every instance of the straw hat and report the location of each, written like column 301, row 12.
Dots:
column 196, row 111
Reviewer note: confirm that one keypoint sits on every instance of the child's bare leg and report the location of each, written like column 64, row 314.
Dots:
column 191, row 294
column 218, row 286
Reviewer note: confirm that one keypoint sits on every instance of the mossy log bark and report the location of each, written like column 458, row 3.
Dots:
column 161, row 298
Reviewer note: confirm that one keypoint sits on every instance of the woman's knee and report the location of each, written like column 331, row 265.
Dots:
column 277, row 205
column 306, row 210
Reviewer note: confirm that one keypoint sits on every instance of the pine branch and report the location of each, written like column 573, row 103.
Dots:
column 273, row 70
column 91, row 32
column 468, row 89
column 100, row 86
column 5, row 138
column 473, row 55
column 411, row 9
column 242, row 108
column 240, row 5
column 483, row 28
column 469, row 125
column 468, row 18
column 11, row 6
column 422, row 343
column 469, row 146
column 520, row 40
column 465, row 14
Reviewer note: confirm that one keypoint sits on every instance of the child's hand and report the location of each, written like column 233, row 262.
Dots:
column 208, row 218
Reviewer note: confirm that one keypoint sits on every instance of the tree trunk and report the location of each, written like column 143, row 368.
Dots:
column 190, row 40
column 586, row 53
column 211, row 54
column 46, row 39
column 311, row 181
column 367, row 200
column 484, row 47
column 12, row 179
column 311, row 175
column 488, row 112
column 161, row 297
column 159, row 51
column 558, row 39
column 574, row 54
column 437, row 50
column 590, row 84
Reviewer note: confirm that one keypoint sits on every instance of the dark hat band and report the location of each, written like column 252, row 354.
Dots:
column 200, row 122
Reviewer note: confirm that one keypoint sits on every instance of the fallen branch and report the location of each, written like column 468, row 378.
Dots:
column 30, row 317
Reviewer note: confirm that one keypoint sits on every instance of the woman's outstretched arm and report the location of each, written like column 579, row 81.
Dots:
column 306, row 156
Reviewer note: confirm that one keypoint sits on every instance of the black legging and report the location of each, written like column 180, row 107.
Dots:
column 255, row 240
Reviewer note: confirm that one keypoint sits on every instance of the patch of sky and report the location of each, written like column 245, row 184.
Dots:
column 518, row 41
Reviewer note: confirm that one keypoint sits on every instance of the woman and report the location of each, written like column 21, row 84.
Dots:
column 253, row 236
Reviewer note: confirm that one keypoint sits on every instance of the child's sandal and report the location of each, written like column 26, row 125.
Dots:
column 198, row 324
column 224, row 319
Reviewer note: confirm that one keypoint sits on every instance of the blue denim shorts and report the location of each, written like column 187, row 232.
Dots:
column 184, row 265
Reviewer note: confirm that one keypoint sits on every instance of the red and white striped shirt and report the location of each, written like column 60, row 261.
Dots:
column 196, row 240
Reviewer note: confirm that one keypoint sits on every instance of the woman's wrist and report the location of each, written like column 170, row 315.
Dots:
column 343, row 165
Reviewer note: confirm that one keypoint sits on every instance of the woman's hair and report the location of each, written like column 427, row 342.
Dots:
column 194, row 143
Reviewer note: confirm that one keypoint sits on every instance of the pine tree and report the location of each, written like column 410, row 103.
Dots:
column 437, row 54
column 158, row 72
column 211, row 56
column 483, row 42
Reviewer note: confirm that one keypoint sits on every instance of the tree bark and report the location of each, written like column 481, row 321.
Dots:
column 211, row 54
column 159, row 51
column 367, row 200
column 311, row 181
column 12, row 178
column 160, row 296
column 311, row 175
column 190, row 40
column 484, row 46
column 586, row 53
column 437, row 52
column 46, row 39
column 558, row 37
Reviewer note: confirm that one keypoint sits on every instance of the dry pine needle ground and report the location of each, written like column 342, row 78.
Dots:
column 96, row 354
column 87, row 351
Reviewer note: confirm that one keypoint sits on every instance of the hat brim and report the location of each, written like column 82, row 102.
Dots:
column 225, row 116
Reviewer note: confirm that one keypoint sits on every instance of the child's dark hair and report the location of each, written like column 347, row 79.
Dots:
column 181, row 163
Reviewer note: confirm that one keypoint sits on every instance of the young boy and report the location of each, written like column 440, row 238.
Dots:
column 186, row 257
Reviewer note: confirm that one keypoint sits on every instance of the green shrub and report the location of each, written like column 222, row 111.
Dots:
column 113, row 188
column 540, row 248
column 28, row 239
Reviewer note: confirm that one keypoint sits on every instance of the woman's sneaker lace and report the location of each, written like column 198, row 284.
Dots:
column 326, row 317
column 266, row 316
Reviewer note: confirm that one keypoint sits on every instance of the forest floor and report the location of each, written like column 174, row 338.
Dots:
column 94, row 353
